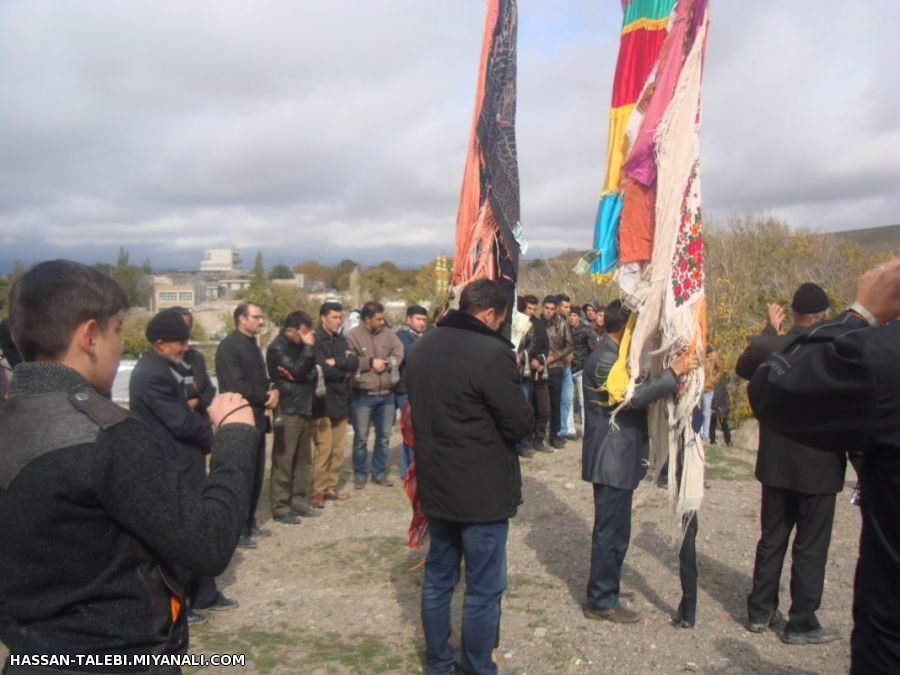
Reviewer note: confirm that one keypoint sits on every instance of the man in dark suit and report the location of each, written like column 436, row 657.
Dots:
column 467, row 416
column 799, row 485
column 158, row 396
column 614, row 459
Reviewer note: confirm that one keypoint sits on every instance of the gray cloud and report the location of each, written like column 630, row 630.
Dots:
column 339, row 129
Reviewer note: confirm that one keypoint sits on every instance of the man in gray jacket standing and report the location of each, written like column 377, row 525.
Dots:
column 614, row 459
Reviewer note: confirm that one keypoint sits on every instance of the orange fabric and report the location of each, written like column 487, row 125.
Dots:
column 174, row 607
column 637, row 222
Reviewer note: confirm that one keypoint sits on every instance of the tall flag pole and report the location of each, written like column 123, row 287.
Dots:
column 648, row 233
column 489, row 236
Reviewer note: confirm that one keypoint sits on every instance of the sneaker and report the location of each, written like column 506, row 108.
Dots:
column 573, row 437
column 256, row 531
column 244, row 541
column 816, row 636
column 614, row 614
column 287, row 519
column 223, row 604
column 383, row 481
column 557, row 442
column 359, row 483
column 195, row 618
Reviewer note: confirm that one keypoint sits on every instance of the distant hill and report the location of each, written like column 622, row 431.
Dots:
column 885, row 238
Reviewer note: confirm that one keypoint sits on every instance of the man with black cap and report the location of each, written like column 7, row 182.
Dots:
column 408, row 332
column 158, row 395
column 799, row 485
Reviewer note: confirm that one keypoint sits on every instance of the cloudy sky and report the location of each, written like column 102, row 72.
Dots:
column 337, row 128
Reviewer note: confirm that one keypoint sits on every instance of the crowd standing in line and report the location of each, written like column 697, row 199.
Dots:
column 516, row 395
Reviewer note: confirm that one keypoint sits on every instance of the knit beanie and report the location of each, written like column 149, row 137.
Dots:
column 809, row 299
column 167, row 326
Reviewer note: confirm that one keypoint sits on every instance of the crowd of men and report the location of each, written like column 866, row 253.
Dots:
column 167, row 491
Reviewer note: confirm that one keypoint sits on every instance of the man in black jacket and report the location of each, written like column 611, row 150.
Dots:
column 240, row 368
column 584, row 341
column 614, row 460
column 536, row 345
column 338, row 363
column 838, row 387
column 87, row 506
column 799, row 485
column 467, row 415
column 198, row 384
column 157, row 395
column 292, row 367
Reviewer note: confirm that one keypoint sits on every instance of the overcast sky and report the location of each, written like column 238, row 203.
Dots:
column 338, row 128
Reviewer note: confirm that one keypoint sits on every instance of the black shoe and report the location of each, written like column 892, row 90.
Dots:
column 223, row 604
column 306, row 513
column 540, row 447
column 816, row 636
column 195, row 618
column 527, row 453
column 557, row 442
column 763, row 626
column 359, row 483
column 383, row 481
column 244, row 541
column 256, row 531
column 287, row 519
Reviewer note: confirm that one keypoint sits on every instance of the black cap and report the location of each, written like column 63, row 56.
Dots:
column 412, row 310
column 167, row 326
column 809, row 299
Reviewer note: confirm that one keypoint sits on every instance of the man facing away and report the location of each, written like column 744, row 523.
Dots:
column 291, row 363
column 380, row 353
column 836, row 387
column 87, row 506
column 410, row 331
column 158, row 396
column 240, row 369
column 338, row 363
column 614, row 459
column 799, row 485
column 467, row 415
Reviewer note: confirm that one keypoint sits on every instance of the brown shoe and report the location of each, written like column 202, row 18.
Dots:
column 318, row 502
column 334, row 495
column 615, row 614
column 628, row 594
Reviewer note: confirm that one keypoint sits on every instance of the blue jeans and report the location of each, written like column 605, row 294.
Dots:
column 483, row 547
column 609, row 544
column 706, row 407
column 365, row 409
column 406, row 455
column 565, row 404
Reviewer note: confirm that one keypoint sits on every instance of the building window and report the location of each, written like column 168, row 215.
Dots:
column 168, row 296
column 185, row 296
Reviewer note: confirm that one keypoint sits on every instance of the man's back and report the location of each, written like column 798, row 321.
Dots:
column 467, row 413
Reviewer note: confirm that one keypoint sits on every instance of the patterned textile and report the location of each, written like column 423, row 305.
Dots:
column 654, row 249
column 488, row 231
column 419, row 523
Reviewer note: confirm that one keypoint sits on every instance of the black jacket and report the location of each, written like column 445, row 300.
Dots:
column 837, row 388
column 91, row 520
column 585, row 341
column 295, row 396
column 240, row 368
column 408, row 337
column 467, row 414
column 617, row 455
column 158, row 398
column 338, row 378
column 536, row 343
column 199, row 384
column 781, row 462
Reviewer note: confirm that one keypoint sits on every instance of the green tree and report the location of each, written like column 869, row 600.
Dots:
column 259, row 272
column 281, row 271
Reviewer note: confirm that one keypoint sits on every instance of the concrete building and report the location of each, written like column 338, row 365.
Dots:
column 220, row 260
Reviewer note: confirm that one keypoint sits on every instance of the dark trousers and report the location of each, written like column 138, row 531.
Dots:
column 540, row 400
column 259, row 471
column 609, row 543
column 555, row 384
column 780, row 511
column 687, row 572
column 726, row 432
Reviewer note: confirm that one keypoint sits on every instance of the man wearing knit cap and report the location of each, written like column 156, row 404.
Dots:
column 158, row 395
column 799, row 485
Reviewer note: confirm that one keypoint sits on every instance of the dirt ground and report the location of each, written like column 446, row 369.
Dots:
column 340, row 593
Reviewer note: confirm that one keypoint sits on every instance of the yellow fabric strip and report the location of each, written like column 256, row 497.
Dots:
column 617, row 148
column 647, row 24
column 616, row 384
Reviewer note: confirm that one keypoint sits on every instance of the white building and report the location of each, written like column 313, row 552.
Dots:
column 220, row 260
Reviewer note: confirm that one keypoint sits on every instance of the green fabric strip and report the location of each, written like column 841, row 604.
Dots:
column 649, row 9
